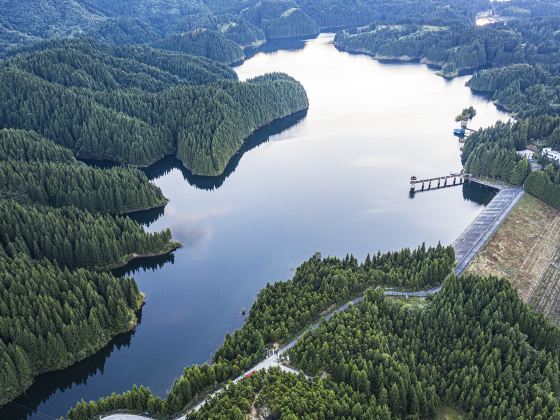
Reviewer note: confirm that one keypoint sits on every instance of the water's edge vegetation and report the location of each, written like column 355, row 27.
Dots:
column 137, row 85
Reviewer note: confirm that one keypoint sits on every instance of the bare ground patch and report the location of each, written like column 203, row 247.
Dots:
column 526, row 250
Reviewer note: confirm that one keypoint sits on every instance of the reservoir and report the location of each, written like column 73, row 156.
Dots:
column 333, row 180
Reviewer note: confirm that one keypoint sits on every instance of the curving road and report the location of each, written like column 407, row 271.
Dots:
column 275, row 359
column 467, row 245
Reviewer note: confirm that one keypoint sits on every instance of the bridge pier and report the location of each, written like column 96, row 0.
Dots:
column 442, row 181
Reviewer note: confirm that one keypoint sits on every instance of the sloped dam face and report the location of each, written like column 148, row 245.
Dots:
column 334, row 180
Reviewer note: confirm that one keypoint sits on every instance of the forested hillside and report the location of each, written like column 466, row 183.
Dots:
column 115, row 190
column 133, row 82
column 242, row 32
column 243, row 22
column 202, row 42
column 475, row 346
column 34, row 170
column 75, row 238
column 280, row 311
column 281, row 19
column 51, row 318
column 90, row 64
column 491, row 153
column 455, row 50
column 28, row 146
column 136, row 105
column 118, row 83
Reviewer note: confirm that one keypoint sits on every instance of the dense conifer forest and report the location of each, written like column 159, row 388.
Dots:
column 75, row 238
column 51, row 317
column 202, row 42
column 106, row 98
column 137, row 105
column 28, row 146
column 282, row 310
column 133, row 82
column 475, row 345
column 37, row 171
column 116, row 190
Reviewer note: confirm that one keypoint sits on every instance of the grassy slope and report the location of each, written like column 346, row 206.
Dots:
column 523, row 250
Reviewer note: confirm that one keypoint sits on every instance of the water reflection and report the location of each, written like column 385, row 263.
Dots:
column 275, row 45
column 478, row 193
column 335, row 182
column 147, row 217
column 209, row 183
column 472, row 191
column 60, row 381
column 144, row 264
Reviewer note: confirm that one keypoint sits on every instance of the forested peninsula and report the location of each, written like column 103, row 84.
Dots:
column 51, row 318
column 137, row 105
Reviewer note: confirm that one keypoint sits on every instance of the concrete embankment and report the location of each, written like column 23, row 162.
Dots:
column 473, row 238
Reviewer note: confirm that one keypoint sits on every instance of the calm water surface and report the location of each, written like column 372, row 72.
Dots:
column 334, row 180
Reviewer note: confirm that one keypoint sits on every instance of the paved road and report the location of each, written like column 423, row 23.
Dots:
column 275, row 359
column 466, row 247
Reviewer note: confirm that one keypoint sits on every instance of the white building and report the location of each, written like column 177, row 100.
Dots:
column 527, row 154
column 551, row 154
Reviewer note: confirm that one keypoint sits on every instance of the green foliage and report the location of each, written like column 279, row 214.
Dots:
column 476, row 345
column 293, row 22
column 242, row 32
column 545, row 185
column 92, row 65
column 491, row 153
column 455, row 50
column 489, row 161
column 51, row 318
column 232, row 112
column 134, row 105
column 467, row 114
column 115, row 190
column 28, row 146
column 281, row 19
column 286, row 396
column 73, row 120
column 75, row 238
column 124, row 31
column 146, row 21
column 206, row 43
column 517, row 62
column 500, row 78
column 285, row 308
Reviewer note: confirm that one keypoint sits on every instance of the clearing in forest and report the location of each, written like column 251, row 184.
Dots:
column 526, row 250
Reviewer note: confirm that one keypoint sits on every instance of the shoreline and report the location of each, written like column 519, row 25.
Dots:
column 143, row 167
column 174, row 246
column 104, row 343
column 159, row 206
